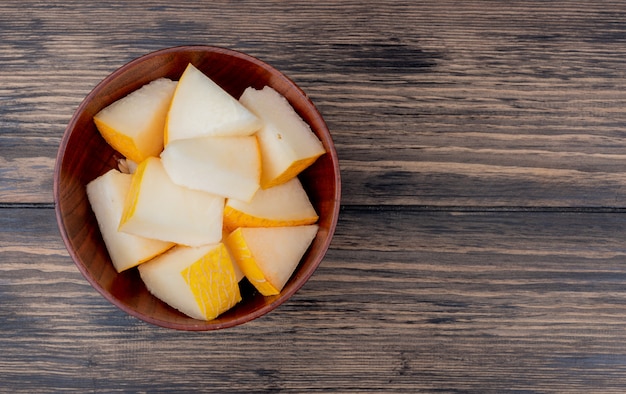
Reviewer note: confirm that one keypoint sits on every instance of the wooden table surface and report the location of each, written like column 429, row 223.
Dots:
column 481, row 245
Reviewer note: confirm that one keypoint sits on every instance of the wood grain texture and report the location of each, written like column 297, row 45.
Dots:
column 471, row 105
column 481, row 243
column 427, row 305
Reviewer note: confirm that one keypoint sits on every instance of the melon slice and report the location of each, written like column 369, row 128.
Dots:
column 156, row 207
column 268, row 256
column 288, row 145
column 284, row 205
column 134, row 124
column 200, row 282
column 106, row 195
column 200, row 107
column 225, row 166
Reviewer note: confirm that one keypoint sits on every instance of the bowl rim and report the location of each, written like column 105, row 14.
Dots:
column 201, row 325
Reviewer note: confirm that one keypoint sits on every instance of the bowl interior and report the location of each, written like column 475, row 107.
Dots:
column 84, row 155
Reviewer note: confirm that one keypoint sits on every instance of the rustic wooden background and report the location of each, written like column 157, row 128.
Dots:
column 481, row 243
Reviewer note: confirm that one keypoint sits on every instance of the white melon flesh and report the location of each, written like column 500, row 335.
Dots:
column 284, row 205
column 274, row 251
column 106, row 195
column 200, row 281
column 225, row 166
column 134, row 124
column 287, row 144
column 200, row 107
column 158, row 208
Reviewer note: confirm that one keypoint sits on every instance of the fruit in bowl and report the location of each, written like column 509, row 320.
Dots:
column 101, row 135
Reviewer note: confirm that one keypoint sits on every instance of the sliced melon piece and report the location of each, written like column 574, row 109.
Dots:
column 284, row 205
column 288, row 145
column 106, row 195
column 156, row 207
column 200, row 282
column 268, row 256
column 200, row 107
column 134, row 124
column 226, row 166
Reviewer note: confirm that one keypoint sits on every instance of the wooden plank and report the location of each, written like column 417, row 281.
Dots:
column 27, row 169
column 477, row 105
column 404, row 301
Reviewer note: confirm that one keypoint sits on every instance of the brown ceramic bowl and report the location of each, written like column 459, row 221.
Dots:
column 83, row 155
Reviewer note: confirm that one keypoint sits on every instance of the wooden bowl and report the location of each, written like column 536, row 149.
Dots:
column 84, row 155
